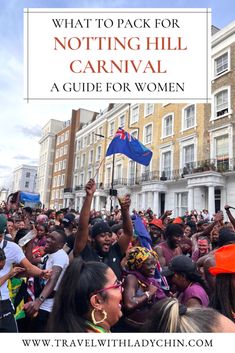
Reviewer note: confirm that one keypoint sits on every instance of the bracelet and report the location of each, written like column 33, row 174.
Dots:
column 147, row 294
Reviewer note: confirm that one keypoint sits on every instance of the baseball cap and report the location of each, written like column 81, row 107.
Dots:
column 180, row 263
column 224, row 260
column 157, row 222
column 3, row 224
column 68, row 218
column 178, row 220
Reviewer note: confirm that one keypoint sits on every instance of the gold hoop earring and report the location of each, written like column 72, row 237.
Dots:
column 94, row 319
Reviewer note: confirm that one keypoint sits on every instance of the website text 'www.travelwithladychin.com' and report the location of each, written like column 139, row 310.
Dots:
column 117, row 343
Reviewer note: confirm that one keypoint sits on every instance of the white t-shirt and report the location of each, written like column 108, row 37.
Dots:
column 14, row 255
column 61, row 259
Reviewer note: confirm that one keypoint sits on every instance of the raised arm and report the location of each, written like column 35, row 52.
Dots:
column 82, row 233
column 125, row 239
column 206, row 232
column 230, row 216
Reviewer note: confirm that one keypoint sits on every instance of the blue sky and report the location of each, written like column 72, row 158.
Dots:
column 21, row 122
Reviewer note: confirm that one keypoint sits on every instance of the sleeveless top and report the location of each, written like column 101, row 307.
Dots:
column 169, row 253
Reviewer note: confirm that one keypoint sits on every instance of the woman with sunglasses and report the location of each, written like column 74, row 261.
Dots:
column 88, row 300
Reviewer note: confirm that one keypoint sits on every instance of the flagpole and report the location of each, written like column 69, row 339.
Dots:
column 112, row 177
column 97, row 171
column 112, row 182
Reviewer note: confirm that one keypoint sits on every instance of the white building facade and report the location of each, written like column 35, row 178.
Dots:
column 46, row 158
column 24, row 178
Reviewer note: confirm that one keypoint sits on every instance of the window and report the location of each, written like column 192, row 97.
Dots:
column 66, row 136
column 118, row 173
column 122, row 121
column 146, row 173
column 167, row 126
column 81, row 179
column 111, row 128
column 148, row 134
column 27, row 174
column 88, row 139
column 62, row 138
column 58, row 140
column 148, row 109
column 132, row 172
column 166, row 165
column 83, row 160
column 221, row 64
column 181, row 203
column 188, row 155
column 134, row 134
column 222, row 153
column 65, row 149
column 75, row 181
column 64, row 163
column 79, row 145
column 221, row 103
column 61, row 151
column 55, row 181
column 189, row 117
column 134, row 114
column 91, row 155
column 26, row 184
column 60, row 165
column 58, row 180
column 57, row 153
column 85, row 141
column 98, row 153
column 62, row 179
column 108, row 176
column 61, row 193
column 77, row 161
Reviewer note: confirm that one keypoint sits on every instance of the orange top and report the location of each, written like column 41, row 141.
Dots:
column 224, row 259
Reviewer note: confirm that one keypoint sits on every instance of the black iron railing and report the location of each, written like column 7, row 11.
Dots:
column 220, row 165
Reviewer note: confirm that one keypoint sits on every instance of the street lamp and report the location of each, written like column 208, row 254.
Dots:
column 112, row 191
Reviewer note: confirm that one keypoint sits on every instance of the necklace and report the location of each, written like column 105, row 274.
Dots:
column 95, row 328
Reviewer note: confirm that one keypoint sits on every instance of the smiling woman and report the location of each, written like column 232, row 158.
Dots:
column 141, row 289
column 92, row 303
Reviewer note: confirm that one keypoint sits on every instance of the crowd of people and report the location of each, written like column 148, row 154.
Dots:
column 119, row 271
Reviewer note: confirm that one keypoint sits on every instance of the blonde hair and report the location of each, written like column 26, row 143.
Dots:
column 168, row 315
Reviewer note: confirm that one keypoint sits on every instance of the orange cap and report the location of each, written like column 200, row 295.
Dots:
column 157, row 222
column 177, row 220
column 224, row 260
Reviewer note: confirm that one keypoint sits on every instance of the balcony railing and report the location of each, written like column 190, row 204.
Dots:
column 221, row 165
column 68, row 189
column 79, row 187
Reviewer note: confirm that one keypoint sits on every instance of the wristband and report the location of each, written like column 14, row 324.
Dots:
column 41, row 298
column 147, row 294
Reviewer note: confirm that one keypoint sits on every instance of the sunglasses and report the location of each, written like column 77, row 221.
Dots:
column 117, row 284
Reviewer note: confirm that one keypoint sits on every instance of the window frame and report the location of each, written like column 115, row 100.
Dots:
column 184, row 128
column 144, row 133
column 163, row 125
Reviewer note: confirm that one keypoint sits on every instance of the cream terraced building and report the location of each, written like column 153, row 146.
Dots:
column 193, row 164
